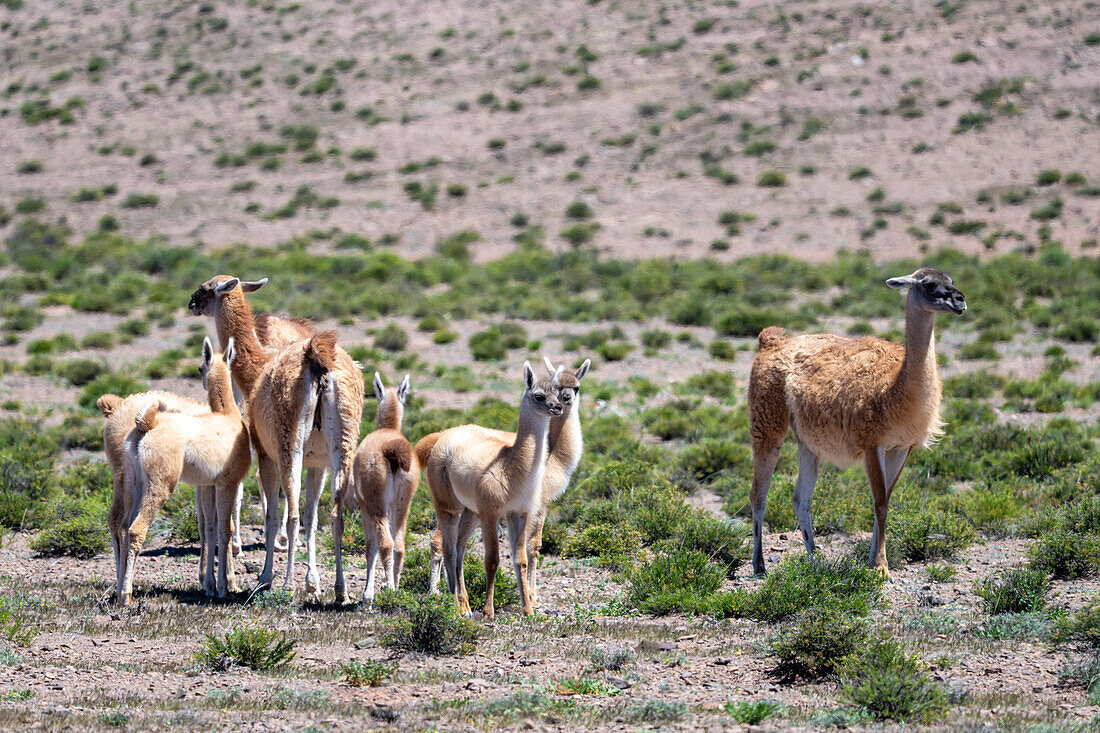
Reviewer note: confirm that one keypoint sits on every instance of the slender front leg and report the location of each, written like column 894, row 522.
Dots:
column 893, row 461
column 467, row 523
column 372, row 557
column 534, row 547
column 200, row 520
column 226, row 497
column 268, row 475
column 492, row 561
column 874, row 468
column 765, row 456
column 435, row 561
column 314, row 484
column 381, row 531
column 518, row 529
column 237, row 544
column 448, row 541
column 338, row 547
column 291, row 478
column 211, row 547
column 808, row 467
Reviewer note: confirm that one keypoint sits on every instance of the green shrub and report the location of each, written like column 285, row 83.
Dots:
column 890, row 684
column 15, row 625
column 753, row 712
column 816, row 641
column 430, row 625
column 923, row 533
column 81, row 533
column 1013, row 590
column 1080, row 630
column 674, row 581
column 246, row 646
column 391, row 338
column 1066, row 555
column 613, row 546
column 724, row 541
column 942, row 573
column 366, row 674
column 706, row 459
column 1028, row 625
column 772, row 179
column 807, row 581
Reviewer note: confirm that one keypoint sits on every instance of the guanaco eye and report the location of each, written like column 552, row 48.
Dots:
column 539, row 396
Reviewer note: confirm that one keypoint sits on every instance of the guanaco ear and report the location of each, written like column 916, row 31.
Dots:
column 897, row 283
column 230, row 352
column 549, row 365
column 557, row 373
column 403, row 390
column 528, row 376
column 582, row 369
column 207, row 352
column 224, row 287
column 379, row 388
column 251, row 286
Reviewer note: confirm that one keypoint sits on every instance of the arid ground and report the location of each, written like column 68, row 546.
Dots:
column 457, row 187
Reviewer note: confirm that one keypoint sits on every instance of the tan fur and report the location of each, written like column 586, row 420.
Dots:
column 474, row 473
column 206, row 450
column 564, row 444
column 847, row 401
column 384, row 480
column 257, row 336
column 302, row 412
column 121, row 414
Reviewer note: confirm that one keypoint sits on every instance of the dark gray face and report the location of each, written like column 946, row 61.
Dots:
column 933, row 289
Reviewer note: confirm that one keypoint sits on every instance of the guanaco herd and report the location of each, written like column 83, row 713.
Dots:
column 288, row 394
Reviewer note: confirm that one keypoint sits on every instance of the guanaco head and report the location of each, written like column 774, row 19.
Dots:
column 931, row 290
column 391, row 402
column 569, row 382
column 204, row 301
column 214, row 365
column 541, row 394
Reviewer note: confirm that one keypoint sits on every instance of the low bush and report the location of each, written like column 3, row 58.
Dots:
column 675, row 581
column 890, row 684
column 366, row 674
column 430, row 625
column 1013, row 590
column 816, row 641
column 247, row 646
column 79, row 532
column 753, row 712
column 614, row 546
column 391, row 338
column 923, row 533
column 809, row 581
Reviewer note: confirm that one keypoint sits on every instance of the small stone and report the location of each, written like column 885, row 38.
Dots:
column 477, row 684
column 722, row 661
column 619, row 682
column 666, row 646
column 366, row 643
column 783, row 536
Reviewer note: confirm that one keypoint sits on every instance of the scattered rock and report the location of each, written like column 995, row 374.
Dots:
column 366, row 643
column 666, row 646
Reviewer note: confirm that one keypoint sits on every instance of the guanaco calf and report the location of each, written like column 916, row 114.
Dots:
column 384, row 478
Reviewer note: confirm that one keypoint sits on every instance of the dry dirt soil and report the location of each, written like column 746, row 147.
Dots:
column 659, row 117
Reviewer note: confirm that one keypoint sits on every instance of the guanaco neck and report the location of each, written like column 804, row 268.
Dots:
column 528, row 453
column 920, row 344
column 564, row 438
column 390, row 412
column 234, row 320
column 219, row 390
